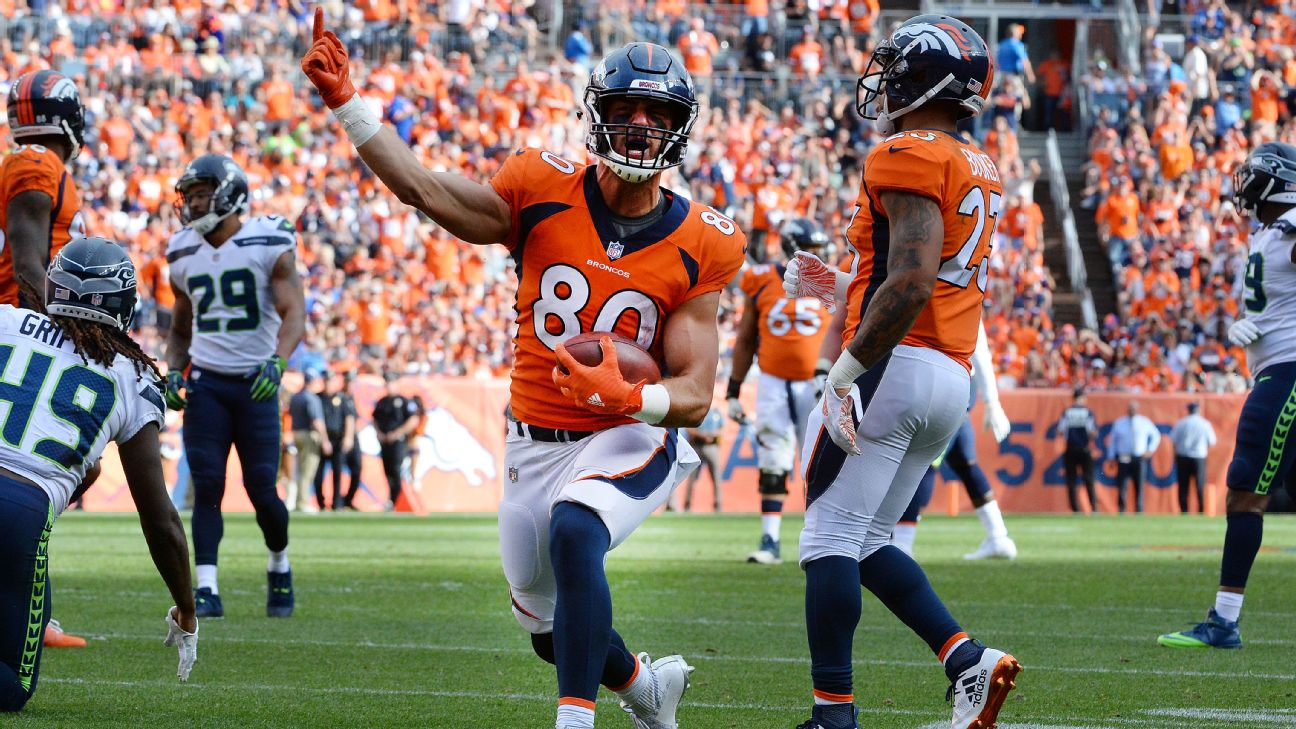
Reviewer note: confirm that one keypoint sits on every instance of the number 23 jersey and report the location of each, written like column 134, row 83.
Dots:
column 576, row 274
column 963, row 181
column 235, row 323
column 60, row 411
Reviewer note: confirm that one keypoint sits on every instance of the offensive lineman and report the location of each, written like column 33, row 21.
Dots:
column 1262, row 456
column 239, row 313
column 599, row 247
column 785, row 333
column 898, row 391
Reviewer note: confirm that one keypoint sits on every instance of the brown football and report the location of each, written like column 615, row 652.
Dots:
column 635, row 363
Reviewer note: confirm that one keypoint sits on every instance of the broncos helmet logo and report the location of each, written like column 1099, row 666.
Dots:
column 921, row 37
column 60, row 87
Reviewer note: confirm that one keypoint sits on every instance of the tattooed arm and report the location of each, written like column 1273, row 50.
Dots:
column 917, row 234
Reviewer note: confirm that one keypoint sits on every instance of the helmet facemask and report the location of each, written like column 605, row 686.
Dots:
column 219, row 203
column 604, row 134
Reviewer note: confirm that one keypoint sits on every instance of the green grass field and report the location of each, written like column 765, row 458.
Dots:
column 404, row 622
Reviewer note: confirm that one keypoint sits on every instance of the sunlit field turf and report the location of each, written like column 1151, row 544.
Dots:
column 405, row 622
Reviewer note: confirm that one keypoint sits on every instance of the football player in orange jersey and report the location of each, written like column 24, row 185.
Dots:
column 598, row 247
column 785, row 333
column 898, row 391
column 40, row 210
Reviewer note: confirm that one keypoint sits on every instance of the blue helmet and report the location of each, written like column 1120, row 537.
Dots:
column 1267, row 176
column 94, row 279
column 927, row 58
column 229, row 195
column 640, row 71
column 804, row 234
column 46, row 102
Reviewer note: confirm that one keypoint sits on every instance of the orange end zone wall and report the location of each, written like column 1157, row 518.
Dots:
column 461, row 467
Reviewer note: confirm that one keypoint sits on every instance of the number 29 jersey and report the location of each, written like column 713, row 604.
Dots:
column 577, row 274
column 60, row 411
column 235, row 322
column 963, row 181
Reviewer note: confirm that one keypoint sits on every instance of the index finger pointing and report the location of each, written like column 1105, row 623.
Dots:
column 317, row 30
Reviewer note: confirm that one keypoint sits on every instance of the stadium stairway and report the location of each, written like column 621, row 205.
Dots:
column 1066, row 302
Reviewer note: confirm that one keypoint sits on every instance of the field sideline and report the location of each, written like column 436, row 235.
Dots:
column 404, row 622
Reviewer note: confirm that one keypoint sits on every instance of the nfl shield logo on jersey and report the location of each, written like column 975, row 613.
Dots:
column 614, row 250
column 513, row 474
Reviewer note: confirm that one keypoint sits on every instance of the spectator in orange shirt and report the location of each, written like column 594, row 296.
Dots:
column 699, row 46
column 1118, row 221
column 279, row 95
column 1054, row 75
column 807, row 56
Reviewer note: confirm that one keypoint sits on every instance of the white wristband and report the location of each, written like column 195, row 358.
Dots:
column 842, row 281
column 357, row 120
column 656, row 403
column 845, row 370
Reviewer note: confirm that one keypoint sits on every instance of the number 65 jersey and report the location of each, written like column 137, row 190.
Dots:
column 235, row 322
column 577, row 273
column 963, row 181
column 59, row 410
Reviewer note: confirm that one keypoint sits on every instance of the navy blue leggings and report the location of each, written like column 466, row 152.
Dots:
column 28, row 517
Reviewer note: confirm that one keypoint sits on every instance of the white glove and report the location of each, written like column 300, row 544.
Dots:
column 996, row 421
column 1244, row 332
column 187, row 643
column 840, row 417
column 736, row 412
column 807, row 276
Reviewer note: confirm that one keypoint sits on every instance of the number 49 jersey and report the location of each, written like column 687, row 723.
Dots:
column 963, row 181
column 1270, row 293
column 235, row 322
column 60, row 411
column 576, row 274
column 791, row 330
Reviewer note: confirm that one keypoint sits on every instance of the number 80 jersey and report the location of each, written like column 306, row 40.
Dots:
column 576, row 274
column 235, row 322
column 963, row 181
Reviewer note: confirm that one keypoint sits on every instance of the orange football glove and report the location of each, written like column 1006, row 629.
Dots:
column 599, row 389
column 328, row 66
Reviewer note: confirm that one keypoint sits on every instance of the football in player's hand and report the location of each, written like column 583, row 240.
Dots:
column 635, row 363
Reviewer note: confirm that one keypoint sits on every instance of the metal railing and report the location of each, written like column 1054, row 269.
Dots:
column 1076, row 270
column 1130, row 35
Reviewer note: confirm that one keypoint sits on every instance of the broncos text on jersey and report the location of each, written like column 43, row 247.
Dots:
column 791, row 330
column 235, row 322
column 963, row 181
column 33, row 167
column 577, row 274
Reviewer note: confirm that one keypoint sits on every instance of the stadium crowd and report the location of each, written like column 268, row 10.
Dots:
column 778, row 137
column 1162, row 148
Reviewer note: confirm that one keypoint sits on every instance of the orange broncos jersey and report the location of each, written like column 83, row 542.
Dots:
column 964, row 182
column 791, row 330
column 33, row 167
column 577, row 274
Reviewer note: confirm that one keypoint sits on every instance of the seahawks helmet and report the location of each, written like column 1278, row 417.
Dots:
column 43, row 103
column 1267, row 176
column 804, row 234
column 229, row 194
column 93, row 279
column 639, row 71
column 929, row 57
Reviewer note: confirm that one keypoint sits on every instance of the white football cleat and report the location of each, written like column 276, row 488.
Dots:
column 979, row 692
column 991, row 548
column 670, row 679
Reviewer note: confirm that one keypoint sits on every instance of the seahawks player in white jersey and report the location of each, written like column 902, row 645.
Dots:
column 72, row 380
column 239, row 314
column 1263, row 456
